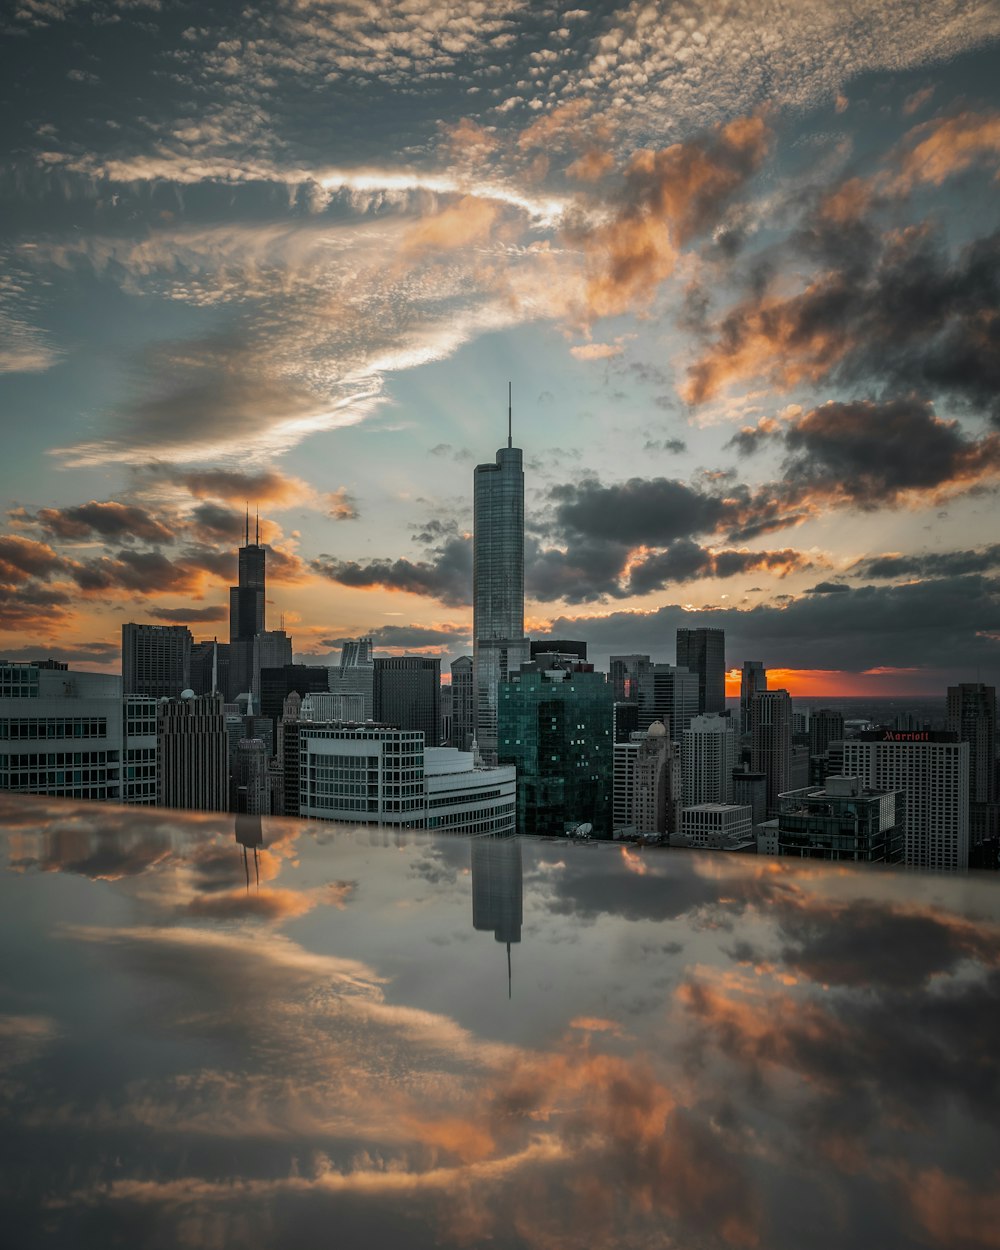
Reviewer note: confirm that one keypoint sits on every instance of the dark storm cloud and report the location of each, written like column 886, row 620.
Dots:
column 930, row 564
column 122, row 522
column 93, row 652
column 913, row 317
column 148, row 572
column 651, row 511
column 407, row 636
column 214, row 522
column 685, row 560
column 21, row 558
column 182, row 615
column 827, row 588
column 446, row 575
column 917, row 624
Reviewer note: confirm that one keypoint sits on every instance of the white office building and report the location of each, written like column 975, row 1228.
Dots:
column 708, row 757
column 139, row 752
column 376, row 774
column 932, row 771
column 716, row 826
column 60, row 732
column 323, row 706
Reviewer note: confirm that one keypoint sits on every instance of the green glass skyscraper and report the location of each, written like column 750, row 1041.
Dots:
column 555, row 726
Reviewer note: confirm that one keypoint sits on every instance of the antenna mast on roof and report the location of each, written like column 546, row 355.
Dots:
column 248, row 525
column 256, row 537
column 510, row 439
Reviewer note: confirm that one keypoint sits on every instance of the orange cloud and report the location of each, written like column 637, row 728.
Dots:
column 591, row 166
column 561, row 120
column 468, row 221
column 948, row 147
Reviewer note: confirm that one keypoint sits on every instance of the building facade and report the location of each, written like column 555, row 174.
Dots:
column 972, row 716
column 156, row 659
column 753, row 677
column 842, row 821
column 771, row 742
column 499, row 645
column 556, row 729
column 708, row 757
column 668, row 694
column 407, row 694
column 931, row 769
column 272, row 648
column 703, row 651
column 60, row 732
column 139, row 758
column 462, row 703
column 192, row 754
column 716, row 826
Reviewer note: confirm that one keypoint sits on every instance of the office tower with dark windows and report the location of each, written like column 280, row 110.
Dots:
column 355, row 675
column 499, row 644
column 626, row 673
column 556, row 729
column 276, row 684
column 564, row 647
column 209, row 666
column 931, row 768
column 626, row 721
column 272, row 648
column 750, row 790
column 972, row 715
column 825, row 726
column 192, row 751
column 708, row 757
column 462, row 703
column 407, row 694
column 753, row 677
column 246, row 612
column 60, row 732
column 156, row 659
column 251, row 783
column 771, row 742
column 703, row 651
column 668, row 694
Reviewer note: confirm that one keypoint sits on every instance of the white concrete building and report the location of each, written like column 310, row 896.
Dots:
column 60, row 732
column 375, row 774
column 716, row 826
column 708, row 757
column 322, row 706
column 932, row 771
column 139, row 753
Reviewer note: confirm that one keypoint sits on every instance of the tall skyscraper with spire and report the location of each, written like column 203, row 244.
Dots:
column 499, row 644
column 246, row 611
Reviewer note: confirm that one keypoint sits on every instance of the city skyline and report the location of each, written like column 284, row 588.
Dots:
column 747, row 291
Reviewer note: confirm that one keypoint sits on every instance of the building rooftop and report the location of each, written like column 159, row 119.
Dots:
column 224, row 1031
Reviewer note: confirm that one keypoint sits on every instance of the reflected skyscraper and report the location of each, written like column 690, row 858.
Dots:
column 497, row 900
column 250, row 835
column 499, row 645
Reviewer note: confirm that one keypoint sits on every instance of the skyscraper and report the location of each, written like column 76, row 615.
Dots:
column 356, row 674
column 499, row 644
column 708, row 755
column 555, row 727
column 703, row 651
column 972, row 715
column 272, row 648
column 246, row 612
column 193, row 754
column 932, row 771
column 668, row 694
column 407, row 694
column 771, row 750
column 156, row 659
column 752, row 678
column 462, row 703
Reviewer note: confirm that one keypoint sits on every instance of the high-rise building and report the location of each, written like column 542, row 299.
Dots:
column 708, row 757
column 193, row 756
column 209, row 666
column 355, row 674
column 444, row 729
column 272, row 648
column 668, row 694
column 972, row 715
column 499, row 644
column 825, row 726
column 250, row 788
column 246, row 612
column 750, row 790
column 626, row 673
column 276, row 684
column 753, row 677
column 287, row 751
column 932, row 770
column 139, row 750
column 646, row 788
column 407, row 694
column 60, row 732
column 626, row 721
column 462, row 703
column 555, row 728
column 703, row 651
column 156, row 659
column 771, row 742
column 841, row 821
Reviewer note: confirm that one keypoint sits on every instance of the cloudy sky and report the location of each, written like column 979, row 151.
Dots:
column 740, row 261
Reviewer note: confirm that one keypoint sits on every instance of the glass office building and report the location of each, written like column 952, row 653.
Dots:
column 555, row 726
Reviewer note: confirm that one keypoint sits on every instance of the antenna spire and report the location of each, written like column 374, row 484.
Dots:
column 256, row 537
column 248, row 524
column 510, row 439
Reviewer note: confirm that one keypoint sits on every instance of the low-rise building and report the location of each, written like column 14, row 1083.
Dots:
column 716, row 826
column 842, row 820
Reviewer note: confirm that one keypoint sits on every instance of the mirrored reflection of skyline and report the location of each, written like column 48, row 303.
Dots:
column 706, row 1050
column 497, row 886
